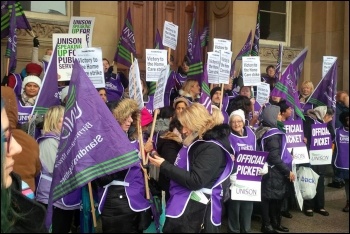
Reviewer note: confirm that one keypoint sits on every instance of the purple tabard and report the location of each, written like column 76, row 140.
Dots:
column 247, row 142
column 342, row 144
column 114, row 89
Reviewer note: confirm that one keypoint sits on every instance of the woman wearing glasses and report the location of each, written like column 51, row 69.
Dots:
column 19, row 214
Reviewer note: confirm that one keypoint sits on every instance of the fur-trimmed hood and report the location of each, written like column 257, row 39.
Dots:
column 187, row 95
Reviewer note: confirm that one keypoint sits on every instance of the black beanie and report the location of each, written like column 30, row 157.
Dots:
column 213, row 91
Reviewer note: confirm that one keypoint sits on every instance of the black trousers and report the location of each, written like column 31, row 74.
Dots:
column 271, row 211
column 62, row 220
column 318, row 201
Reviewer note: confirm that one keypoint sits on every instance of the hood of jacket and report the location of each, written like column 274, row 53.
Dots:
column 10, row 103
column 269, row 115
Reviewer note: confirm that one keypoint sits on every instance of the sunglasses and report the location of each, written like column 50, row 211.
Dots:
column 8, row 140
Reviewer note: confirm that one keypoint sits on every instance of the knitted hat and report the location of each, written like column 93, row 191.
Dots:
column 34, row 69
column 213, row 91
column 64, row 93
column 239, row 113
column 180, row 99
column 146, row 117
column 29, row 79
column 320, row 111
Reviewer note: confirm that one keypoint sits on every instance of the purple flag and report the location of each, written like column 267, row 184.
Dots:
column 191, row 39
column 245, row 51
column 92, row 143
column 126, row 45
column 158, row 44
column 204, row 36
column 255, row 48
column 11, row 49
column 326, row 90
column 21, row 19
column 205, row 96
column 287, row 89
column 196, row 65
column 298, row 64
column 49, row 93
column 279, row 61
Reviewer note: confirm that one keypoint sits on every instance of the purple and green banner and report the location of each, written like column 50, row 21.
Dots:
column 49, row 93
column 92, row 143
column 21, row 19
column 11, row 49
column 205, row 95
column 126, row 45
column 287, row 89
column 196, row 65
column 204, row 36
column 326, row 90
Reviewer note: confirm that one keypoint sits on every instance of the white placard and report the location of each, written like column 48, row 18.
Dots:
column 82, row 25
column 298, row 195
column 170, row 34
column 91, row 61
column 263, row 93
column 245, row 190
column 67, row 44
column 225, row 66
column 327, row 64
column 321, row 157
column 221, row 44
column 158, row 101
column 300, row 154
column 213, row 67
column 156, row 60
column 135, row 87
column 251, row 70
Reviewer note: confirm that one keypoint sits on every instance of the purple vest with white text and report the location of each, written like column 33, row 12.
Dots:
column 342, row 143
column 179, row 195
column 114, row 89
column 247, row 142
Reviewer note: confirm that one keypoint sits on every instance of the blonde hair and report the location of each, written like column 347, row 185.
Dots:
column 217, row 115
column 125, row 108
column 307, row 83
column 197, row 119
column 188, row 84
column 52, row 118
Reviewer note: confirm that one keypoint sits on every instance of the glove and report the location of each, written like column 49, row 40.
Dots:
column 36, row 42
column 110, row 70
column 264, row 170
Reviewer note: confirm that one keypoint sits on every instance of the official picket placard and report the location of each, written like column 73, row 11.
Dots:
column 170, row 34
column 135, row 87
column 295, row 141
column 320, row 145
column 327, row 64
column 156, row 60
column 158, row 101
column 66, row 46
column 213, row 67
column 91, row 61
column 248, row 183
column 83, row 25
column 263, row 93
column 251, row 70
column 225, row 66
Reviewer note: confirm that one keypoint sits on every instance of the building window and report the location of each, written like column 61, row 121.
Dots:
column 275, row 22
column 48, row 10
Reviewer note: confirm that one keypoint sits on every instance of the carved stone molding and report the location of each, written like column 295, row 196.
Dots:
column 268, row 54
column 43, row 30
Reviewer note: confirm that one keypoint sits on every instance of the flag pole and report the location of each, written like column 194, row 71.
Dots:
column 222, row 94
column 7, row 66
column 92, row 205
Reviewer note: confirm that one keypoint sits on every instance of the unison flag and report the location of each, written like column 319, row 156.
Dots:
column 255, row 48
column 245, row 51
column 205, row 96
column 326, row 90
column 11, row 49
column 126, row 45
column 92, row 144
column 298, row 64
column 279, row 61
column 204, row 36
column 286, row 88
column 191, row 39
column 195, row 65
column 48, row 94
column 21, row 19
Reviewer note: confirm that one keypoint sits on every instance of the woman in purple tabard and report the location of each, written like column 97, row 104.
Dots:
column 196, row 177
column 271, row 139
column 64, row 208
column 123, row 200
column 318, row 115
column 239, row 213
column 341, row 152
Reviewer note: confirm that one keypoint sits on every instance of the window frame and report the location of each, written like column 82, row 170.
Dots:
column 52, row 17
column 288, row 29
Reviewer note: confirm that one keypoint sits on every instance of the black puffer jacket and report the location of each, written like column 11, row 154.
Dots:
column 207, row 161
column 273, row 184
